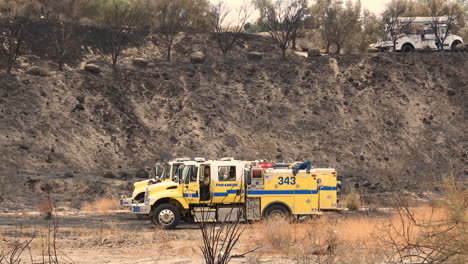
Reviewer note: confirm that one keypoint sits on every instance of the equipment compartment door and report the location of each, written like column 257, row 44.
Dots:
column 305, row 195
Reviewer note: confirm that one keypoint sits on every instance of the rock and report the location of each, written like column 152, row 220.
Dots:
column 361, row 66
column 79, row 107
column 109, row 175
column 68, row 174
column 37, row 71
column 366, row 184
column 142, row 173
column 54, row 157
column 24, row 147
column 254, row 56
column 80, row 99
column 451, row 92
column 140, row 62
column 92, row 68
column 197, row 57
column 124, row 175
column 313, row 53
column 462, row 47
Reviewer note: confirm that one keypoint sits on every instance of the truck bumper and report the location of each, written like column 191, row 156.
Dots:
column 141, row 209
column 126, row 202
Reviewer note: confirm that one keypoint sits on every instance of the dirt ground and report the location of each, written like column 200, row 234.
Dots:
column 119, row 237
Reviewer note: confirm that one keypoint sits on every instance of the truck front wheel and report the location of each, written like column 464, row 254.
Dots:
column 166, row 216
column 455, row 44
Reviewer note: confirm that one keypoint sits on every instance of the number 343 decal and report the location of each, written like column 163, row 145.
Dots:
column 286, row 180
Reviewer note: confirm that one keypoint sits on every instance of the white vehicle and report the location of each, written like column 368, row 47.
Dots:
column 420, row 35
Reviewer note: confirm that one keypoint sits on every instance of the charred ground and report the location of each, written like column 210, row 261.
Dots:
column 373, row 117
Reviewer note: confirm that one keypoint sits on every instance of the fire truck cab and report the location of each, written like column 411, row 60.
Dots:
column 161, row 172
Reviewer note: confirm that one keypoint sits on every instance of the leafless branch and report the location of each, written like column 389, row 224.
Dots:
column 282, row 18
column 228, row 30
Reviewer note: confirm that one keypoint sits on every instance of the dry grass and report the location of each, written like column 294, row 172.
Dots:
column 279, row 234
column 322, row 240
column 102, row 205
column 353, row 201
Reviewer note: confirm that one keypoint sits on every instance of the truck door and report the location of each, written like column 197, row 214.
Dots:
column 189, row 181
column 228, row 184
column 429, row 38
column 204, row 180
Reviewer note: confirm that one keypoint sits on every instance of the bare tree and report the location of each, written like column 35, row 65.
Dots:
column 119, row 19
column 63, row 16
column 391, row 17
column 171, row 17
column 219, row 238
column 338, row 24
column 444, row 12
column 347, row 23
column 227, row 32
column 325, row 18
column 14, row 24
column 372, row 29
column 281, row 19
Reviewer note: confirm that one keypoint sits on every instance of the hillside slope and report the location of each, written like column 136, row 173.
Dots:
column 370, row 116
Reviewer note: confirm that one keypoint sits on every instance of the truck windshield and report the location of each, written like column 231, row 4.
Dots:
column 177, row 171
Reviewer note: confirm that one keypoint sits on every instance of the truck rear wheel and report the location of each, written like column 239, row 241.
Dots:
column 276, row 211
column 407, row 48
column 166, row 216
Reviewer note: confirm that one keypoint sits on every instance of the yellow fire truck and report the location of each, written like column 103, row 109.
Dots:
column 162, row 172
column 227, row 189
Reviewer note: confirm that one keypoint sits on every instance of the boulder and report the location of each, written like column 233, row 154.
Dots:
column 197, row 57
column 462, row 47
column 92, row 68
column 313, row 53
column 140, row 62
column 37, row 71
column 255, row 56
column 109, row 175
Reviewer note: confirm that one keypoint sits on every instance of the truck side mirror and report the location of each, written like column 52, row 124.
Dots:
column 319, row 182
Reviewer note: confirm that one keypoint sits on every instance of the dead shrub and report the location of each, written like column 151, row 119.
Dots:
column 436, row 233
column 14, row 250
column 45, row 208
column 353, row 201
column 102, row 205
